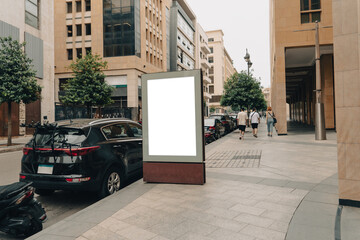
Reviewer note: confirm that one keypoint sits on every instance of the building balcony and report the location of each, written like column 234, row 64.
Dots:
column 207, row 95
column 205, row 48
column 205, row 64
column 206, row 80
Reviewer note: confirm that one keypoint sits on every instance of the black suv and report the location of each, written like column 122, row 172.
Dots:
column 83, row 154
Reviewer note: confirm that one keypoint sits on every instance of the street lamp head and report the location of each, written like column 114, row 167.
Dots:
column 249, row 63
column 247, row 56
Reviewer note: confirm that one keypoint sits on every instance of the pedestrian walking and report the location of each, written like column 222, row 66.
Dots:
column 242, row 119
column 255, row 120
column 270, row 121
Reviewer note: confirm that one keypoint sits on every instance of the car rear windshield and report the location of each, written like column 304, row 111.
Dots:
column 209, row 122
column 62, row 136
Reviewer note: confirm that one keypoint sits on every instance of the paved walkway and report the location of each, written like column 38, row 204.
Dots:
column 284, row 187
column 17, row 141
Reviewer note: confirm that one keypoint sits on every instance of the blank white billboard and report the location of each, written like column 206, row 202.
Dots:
column 171, row 116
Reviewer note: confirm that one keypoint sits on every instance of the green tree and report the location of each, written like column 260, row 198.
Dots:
column 88, row 86
column 243, row 91
column 17, row 77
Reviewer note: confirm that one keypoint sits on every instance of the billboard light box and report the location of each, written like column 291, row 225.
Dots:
column 173, row 117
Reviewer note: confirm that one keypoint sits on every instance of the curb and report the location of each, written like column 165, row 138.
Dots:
column 11, row 149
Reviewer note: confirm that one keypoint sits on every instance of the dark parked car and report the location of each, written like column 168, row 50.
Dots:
column 214, row 126
column 233, row 117
column 209, row 137
column 225, row 120
column 83, row 154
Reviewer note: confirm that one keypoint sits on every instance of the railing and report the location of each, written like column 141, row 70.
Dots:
column 72, row 112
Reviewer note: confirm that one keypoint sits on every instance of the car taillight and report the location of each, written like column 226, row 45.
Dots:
column 80, row 151
column 26, row 150
column 211, row 128
column 77, row 180
column 73, row 152
column 22, row 177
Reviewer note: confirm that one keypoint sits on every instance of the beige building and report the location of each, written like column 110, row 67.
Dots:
column 221, row 68
column 131, row 36
column 267, row 96
column 293, row 80
column 293, row 58
column 182, row 44
column 202, row 62
column 346, row 23
column 31, row 21
column 135, row 37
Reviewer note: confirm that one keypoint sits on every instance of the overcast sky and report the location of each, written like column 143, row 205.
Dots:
column 245, row 24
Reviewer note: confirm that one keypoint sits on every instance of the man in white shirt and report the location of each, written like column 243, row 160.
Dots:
column 242, row 118
column 254, row 120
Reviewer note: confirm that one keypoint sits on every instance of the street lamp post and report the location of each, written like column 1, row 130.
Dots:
column 320, row 133
column 248, row 61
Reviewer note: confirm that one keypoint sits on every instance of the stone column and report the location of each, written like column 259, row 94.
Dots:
column 133, row 93
column 347, row 87
column 278, row 95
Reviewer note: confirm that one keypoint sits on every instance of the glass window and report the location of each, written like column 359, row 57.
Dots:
column 119, row 27
column 87, row 5
column 78, row 52
column 78, row 6
column 115, row 131
column 315, row 17
column 69, row 31
column 211, row 50
column 310, row 11
column 136, row 130
column 211, row 39
column 88, row 28
column 88, row 50
column 32, row 13
column 305, row 17
column 315, row 4
column 309, row 5
column 45, row 137
column 69, row 54
column 69, row 7
column 211, row 89
column 211, row 59
column 304, row 5
column 78, row 30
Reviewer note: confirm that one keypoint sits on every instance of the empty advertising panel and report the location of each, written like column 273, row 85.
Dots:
column 173, row 146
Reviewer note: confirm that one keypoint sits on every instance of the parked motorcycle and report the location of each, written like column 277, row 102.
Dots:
column 20, row 213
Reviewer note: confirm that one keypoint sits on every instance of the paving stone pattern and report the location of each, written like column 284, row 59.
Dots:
column 234, row 159
column 242, row 199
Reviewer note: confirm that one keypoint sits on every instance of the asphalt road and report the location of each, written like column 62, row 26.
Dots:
column 57, row 206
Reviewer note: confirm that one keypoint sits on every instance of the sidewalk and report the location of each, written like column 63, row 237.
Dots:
column 284, row 187
column 17, row 141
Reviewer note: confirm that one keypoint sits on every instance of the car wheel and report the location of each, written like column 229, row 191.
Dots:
column 111, row 182
column 44, row 192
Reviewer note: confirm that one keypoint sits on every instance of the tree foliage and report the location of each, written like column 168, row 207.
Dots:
column 17, row 77
column 243, row 91
column 88, row 86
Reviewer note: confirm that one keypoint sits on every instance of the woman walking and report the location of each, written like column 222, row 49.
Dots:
column 270, row 121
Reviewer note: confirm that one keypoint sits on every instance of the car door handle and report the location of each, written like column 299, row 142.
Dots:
column 117, row 146
column 140, row 143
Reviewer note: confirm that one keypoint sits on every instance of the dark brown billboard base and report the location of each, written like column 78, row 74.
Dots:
column 184, row 173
